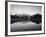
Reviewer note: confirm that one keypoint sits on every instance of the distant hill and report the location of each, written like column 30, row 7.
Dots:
column 19, row 18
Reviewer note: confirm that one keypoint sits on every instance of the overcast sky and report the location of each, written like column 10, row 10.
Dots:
column 25, row 9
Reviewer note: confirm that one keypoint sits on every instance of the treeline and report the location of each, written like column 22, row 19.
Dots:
column 19, row 18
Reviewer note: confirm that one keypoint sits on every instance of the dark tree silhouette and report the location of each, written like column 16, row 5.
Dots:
column 35, row 18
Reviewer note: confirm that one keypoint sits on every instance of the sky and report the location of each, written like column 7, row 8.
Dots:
column 25, row 9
